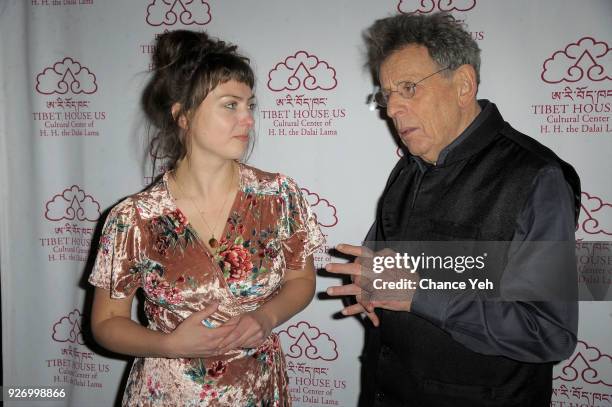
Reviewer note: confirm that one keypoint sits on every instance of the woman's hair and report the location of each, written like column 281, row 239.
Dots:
column 187, row 65
column 447, row 41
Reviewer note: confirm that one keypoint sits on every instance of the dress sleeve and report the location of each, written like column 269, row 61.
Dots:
column 300, row 233
column 115, row 268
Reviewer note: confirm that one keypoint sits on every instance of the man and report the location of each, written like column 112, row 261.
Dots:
column 469, row 177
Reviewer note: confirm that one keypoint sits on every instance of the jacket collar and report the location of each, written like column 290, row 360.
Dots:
column 479, row 134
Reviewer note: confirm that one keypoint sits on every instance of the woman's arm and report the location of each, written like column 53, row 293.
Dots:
column 295, row 294
column 114, row 329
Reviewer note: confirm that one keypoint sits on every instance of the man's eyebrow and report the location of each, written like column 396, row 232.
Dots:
column 395, row 84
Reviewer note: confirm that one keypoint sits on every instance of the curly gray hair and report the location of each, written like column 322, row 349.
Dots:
column 446, row 39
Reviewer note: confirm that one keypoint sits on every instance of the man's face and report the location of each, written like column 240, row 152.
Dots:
column 431, row 119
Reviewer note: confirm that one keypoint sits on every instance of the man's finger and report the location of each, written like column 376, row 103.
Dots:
column 374, row 318
column 350, row 269
column 359, row 309
column 353, row 309
column 393, row 305
column 348, row 289
column 357, row 251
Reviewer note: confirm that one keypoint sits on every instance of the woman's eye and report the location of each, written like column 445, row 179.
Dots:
column 252, row 106
column 231, row 105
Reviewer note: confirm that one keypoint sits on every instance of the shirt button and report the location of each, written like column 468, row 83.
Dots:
column 380, row 396
column 384, row 351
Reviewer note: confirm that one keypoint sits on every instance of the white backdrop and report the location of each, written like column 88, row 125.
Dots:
column 72, row 145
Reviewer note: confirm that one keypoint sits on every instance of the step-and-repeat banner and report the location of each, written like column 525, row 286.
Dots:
column 72, row 145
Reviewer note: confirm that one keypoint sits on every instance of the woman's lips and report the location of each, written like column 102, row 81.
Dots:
column 244, row 138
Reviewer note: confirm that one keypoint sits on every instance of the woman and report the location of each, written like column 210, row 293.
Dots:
column 222, row 251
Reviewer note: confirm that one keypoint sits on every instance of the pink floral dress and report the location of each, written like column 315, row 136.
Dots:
column 148, row 243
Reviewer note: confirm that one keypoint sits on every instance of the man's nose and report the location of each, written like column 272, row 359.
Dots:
column 394, row 104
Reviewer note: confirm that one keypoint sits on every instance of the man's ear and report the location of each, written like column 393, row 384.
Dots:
column 465, row 83
column 182, row 120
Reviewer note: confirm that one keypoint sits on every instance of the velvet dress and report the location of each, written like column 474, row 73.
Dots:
column 148, row 243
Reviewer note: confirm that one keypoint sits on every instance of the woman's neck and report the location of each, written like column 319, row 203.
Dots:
column 206, row 179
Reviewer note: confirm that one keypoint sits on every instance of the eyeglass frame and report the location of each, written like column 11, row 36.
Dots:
column 402, row 86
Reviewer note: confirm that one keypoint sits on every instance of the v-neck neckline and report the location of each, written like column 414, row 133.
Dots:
column 188, row 223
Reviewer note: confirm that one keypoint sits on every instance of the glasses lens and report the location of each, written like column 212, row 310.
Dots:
column 406, row 89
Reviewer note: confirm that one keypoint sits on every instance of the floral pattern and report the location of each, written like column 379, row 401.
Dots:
column 148, row 243
column 171, row 230
column 154, row 388
column 235, row 260
column 266, row 352
column 217, row 369
column 115, row 225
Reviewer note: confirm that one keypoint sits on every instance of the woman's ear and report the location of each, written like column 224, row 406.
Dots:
column 182, row 120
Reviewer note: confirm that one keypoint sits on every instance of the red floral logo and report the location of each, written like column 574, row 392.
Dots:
column 595, row 215
column 325, row 211
column 235, row 260
column 428, row 6
column 72, row 204
column 68, row 328
column 585, row 59
column 302, row 70
column 305, row 340
column 67, row 75
column 587, row 364
column 170, row 12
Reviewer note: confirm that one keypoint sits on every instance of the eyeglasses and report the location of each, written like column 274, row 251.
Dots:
column 405, row 89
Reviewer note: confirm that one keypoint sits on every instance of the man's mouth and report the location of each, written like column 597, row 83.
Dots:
column 406, row 131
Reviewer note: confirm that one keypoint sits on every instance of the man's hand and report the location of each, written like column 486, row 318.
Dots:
column 359, row 280
column 362, row 287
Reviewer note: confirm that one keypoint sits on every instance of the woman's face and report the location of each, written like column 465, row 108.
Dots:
column 221, row 125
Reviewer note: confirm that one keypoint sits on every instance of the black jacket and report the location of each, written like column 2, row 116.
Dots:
column 476, row 194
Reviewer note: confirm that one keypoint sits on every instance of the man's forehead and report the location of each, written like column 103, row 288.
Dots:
column 407, row 63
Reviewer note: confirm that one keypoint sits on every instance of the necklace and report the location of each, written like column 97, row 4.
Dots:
column 212, row 242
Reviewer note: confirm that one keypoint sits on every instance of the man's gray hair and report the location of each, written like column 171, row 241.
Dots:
column 446, row 39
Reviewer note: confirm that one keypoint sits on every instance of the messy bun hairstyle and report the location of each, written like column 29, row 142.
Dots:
column 187, row 65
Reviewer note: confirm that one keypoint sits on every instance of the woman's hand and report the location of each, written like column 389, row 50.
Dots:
column 249, row 331
column 191, row 339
